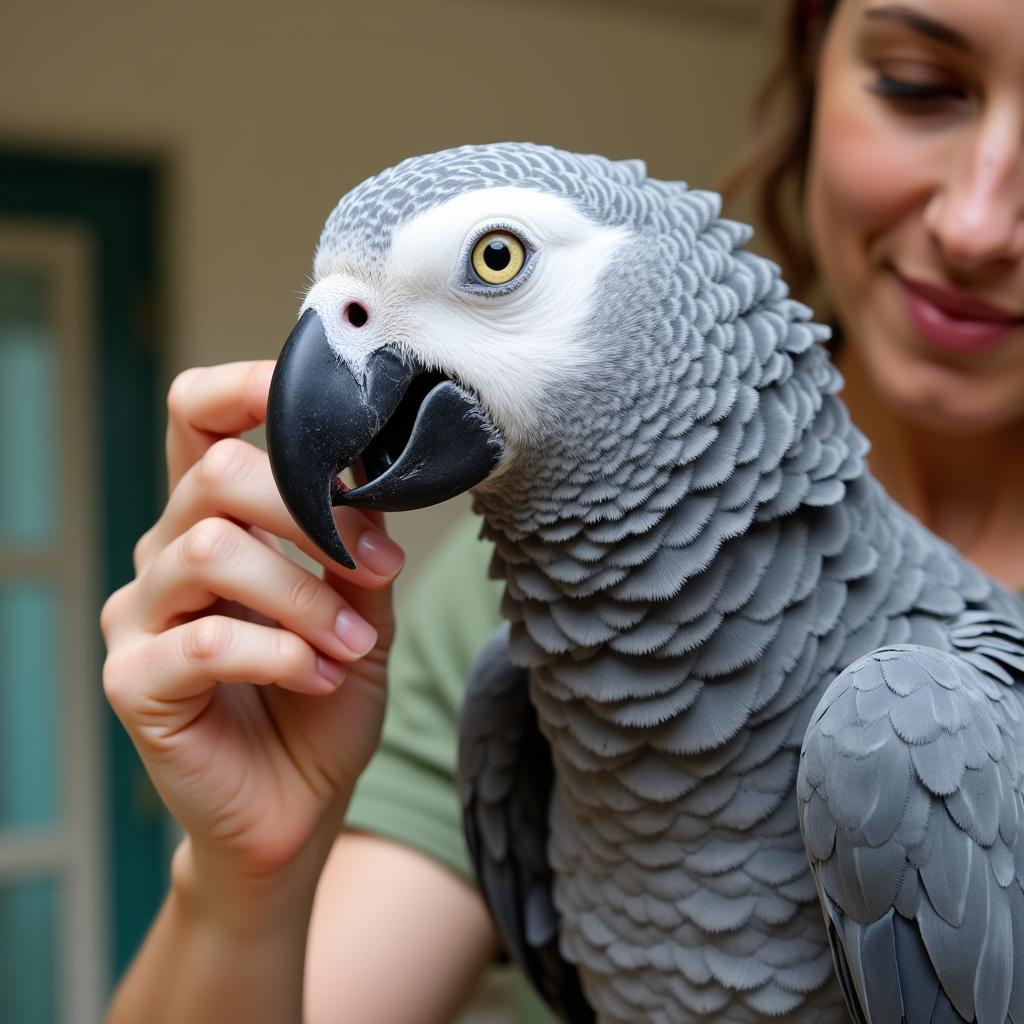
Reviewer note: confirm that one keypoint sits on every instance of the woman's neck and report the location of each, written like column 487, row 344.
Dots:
column 965, row 489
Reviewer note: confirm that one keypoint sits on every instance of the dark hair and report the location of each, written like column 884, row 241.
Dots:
column 774, row 165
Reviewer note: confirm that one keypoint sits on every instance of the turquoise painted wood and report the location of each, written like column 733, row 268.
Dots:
column 30, row 617
column 30, row 752
column 29, row 919
column 28, row 376
column 30, row 749
column 117, row 204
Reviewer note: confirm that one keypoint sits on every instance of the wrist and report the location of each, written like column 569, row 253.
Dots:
column 215, row 894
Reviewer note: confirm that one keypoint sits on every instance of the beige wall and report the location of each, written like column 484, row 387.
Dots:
column 264, row 114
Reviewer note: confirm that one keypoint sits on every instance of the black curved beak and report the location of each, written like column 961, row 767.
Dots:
column 422, row 438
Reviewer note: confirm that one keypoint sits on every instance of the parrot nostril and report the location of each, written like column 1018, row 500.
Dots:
column 356, row 314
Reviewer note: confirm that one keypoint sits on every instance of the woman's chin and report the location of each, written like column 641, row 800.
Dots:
column 946, row 399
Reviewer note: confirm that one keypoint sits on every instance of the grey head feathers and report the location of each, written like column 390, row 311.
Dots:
column 610, row 192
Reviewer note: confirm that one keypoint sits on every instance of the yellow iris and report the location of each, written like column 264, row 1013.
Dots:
column 498, row 257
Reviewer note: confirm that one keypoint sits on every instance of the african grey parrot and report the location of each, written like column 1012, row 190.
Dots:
column 748, row 747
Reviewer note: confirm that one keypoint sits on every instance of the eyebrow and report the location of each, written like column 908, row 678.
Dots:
column 914, row 19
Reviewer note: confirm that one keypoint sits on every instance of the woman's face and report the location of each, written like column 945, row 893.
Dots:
column 915, row 203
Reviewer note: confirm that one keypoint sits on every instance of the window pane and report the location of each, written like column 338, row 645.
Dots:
column 28, row 938
column 29, row 411
column 30, row 747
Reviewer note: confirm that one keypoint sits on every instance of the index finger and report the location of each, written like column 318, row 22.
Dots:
column 207, row 403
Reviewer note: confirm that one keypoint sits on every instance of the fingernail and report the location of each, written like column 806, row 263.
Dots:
column 355, row 632
column 331, row 671
column 379, row 553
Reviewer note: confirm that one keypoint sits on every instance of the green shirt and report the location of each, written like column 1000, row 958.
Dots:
column 408, row 791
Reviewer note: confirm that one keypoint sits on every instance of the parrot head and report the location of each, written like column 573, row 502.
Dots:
column 481, row 317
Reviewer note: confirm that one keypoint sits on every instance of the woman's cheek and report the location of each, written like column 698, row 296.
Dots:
column 866, row 183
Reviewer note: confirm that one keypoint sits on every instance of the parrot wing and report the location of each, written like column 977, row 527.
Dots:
column 910, row 802
column 505, row 779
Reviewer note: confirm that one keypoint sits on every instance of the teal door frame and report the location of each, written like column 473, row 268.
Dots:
column 117, row 204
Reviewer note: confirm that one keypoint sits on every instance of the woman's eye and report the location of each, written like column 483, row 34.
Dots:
column 498, row 257
column 905, row 90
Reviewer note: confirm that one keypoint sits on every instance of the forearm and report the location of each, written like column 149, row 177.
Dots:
column 395, row 938
column 220, row 958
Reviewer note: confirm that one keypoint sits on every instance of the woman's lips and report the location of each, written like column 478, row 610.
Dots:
column 953, row 322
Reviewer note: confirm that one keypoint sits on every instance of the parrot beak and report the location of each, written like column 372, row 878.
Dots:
column 421, row 437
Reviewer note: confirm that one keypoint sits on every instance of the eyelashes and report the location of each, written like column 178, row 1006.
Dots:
column 906, row 91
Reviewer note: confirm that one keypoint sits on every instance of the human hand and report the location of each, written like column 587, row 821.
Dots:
column 253, row 689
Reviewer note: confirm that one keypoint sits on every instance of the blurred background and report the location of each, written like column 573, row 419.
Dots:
column 164, row 173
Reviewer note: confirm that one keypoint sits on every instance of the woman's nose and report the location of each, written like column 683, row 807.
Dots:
column 976, row 216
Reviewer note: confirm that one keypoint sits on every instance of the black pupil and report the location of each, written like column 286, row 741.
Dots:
column 497, row 256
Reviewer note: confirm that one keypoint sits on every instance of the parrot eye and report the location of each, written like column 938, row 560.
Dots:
column 498, row 257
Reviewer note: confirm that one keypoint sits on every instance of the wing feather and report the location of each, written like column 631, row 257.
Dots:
column 505, row 779
column 910, row 793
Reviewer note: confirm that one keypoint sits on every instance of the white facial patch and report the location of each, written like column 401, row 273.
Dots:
column 517, row 350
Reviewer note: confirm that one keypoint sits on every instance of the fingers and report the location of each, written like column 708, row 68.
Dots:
column 217, row 559
column 233, row 480
column 205, row 404
column 165, row 676
column 373, row 603
column 207, row 407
